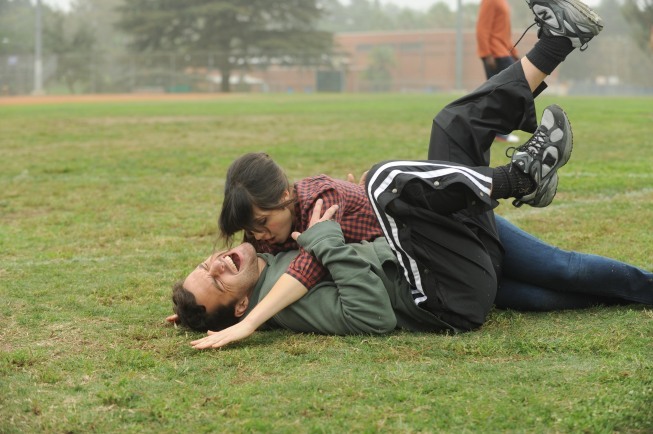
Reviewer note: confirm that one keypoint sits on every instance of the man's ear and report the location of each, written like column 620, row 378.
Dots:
column 241, row 307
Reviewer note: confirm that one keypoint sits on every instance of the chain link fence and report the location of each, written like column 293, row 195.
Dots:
column 611, row 66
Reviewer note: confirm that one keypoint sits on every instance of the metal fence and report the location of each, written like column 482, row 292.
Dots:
column 611, row 66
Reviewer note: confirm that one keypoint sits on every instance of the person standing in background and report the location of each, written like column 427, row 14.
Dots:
column 494, row 43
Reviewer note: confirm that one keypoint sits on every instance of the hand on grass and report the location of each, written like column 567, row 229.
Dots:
column 173, row 319
column 223, row 337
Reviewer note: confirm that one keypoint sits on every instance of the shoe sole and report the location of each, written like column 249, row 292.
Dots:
column 585, row 11
column 566, row 155
column 580, row 8
column 568, row 134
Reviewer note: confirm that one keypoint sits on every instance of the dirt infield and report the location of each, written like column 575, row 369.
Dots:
column 136, row 97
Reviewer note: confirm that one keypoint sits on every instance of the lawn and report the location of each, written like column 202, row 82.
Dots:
column 104, row 205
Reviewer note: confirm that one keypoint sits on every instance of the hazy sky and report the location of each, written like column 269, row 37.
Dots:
column 415, row 4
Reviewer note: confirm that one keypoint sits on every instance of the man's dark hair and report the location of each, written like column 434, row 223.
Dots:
column 252, row 179
column 194, row 316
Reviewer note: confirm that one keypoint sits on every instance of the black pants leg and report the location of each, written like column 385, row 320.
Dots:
column 464, row 130
column 444, row 257
column 437, row 216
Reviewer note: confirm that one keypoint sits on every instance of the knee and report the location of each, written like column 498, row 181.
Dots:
column 374, row 172
column 444, row 117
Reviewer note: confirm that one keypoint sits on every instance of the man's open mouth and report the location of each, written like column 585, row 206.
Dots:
column 233, row 261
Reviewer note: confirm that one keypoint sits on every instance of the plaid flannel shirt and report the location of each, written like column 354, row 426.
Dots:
column 354, row 214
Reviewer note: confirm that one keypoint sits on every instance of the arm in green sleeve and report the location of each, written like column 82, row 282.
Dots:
column 354, row 301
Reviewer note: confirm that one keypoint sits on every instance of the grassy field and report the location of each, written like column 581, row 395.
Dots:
column 104, row 205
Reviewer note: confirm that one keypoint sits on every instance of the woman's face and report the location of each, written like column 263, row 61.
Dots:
column 274, row 226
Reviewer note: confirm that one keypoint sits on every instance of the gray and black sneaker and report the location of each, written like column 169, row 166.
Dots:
column 543, row 154
column 572, row 19
column 542, row 196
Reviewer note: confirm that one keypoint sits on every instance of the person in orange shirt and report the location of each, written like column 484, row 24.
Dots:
column 494, row 43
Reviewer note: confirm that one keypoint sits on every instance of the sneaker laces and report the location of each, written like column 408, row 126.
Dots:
column 532, row 146
column 522, row 35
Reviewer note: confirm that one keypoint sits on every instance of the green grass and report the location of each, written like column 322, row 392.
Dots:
column 104, row 205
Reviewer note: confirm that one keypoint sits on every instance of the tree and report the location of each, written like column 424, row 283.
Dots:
column 440, row 16
column 639, row 13
column 17, row 27
column 74, row 48
column 379, row 72
column 101, row 17
column 372, row 15
column 236, row 32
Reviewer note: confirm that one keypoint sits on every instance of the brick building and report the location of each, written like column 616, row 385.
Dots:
column 403, row 61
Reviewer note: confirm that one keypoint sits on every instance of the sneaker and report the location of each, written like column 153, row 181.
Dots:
column 546, row 151
column 542, row 196
column 572, row 19
column 508, row 138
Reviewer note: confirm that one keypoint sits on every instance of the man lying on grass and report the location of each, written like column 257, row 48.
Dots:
column 445, row 260
column 367, row 293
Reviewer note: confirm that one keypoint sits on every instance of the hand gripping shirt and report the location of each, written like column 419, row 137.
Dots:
column 354, row 214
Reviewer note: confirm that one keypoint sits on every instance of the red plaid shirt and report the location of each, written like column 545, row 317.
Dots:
column 354, row 214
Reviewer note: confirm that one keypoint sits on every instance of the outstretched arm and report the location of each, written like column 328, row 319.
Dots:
column 285, row 291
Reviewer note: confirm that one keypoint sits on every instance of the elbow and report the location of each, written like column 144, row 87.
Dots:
column 383, row 325
column 372, row 325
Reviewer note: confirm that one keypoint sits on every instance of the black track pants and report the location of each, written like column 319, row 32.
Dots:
column 437, row 214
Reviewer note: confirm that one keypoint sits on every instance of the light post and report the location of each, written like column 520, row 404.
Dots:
column 459, row 46
column 38, row 53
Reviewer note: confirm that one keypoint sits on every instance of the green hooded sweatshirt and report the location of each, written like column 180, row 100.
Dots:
column 365, row 292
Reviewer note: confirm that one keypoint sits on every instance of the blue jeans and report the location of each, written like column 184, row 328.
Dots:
column 540, row 277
